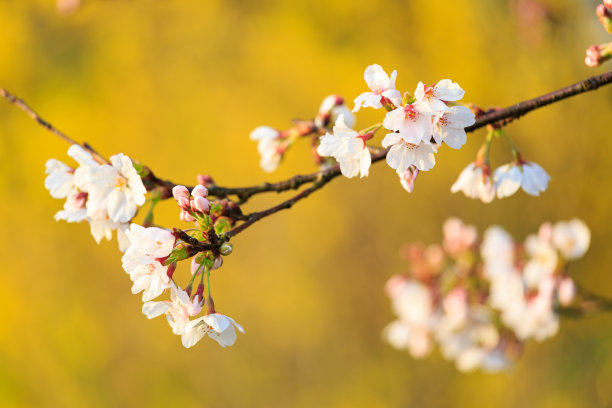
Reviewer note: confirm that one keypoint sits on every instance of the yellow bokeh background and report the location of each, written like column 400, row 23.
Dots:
column 178, row 85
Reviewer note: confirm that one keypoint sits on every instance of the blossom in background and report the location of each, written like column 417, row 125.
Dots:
column 475, row 182
column 142, row 260
column 268, row 147
column 531, row 177
column 218, row 327
column 481, row 310
column 348, row 148
column 571, row 238
column 382, row 87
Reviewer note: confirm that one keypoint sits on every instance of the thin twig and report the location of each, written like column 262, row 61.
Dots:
column 20, row 103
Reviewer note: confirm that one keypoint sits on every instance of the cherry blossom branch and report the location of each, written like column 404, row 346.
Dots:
column 591, row 303
column 20, row 103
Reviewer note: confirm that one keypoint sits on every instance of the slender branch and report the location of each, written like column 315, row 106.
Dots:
column 30, row 112
column 256, row 216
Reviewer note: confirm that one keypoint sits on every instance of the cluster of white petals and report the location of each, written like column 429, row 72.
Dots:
column 475, row 181
column 481, row 311
column 105, row 195
column 150, row 263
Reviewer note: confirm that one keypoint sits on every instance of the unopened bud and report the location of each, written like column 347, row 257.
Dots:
column 187, row 217
column 218, row 262
column 183, row 203
column 201, row 204
column 408, row 178
column 226, row 249
column 171, row 269
column 195, row 265
column 205, row 179
column 608, row 3
column 180, row 191
column 605, row 17
column 598, row 54
column 199, row 191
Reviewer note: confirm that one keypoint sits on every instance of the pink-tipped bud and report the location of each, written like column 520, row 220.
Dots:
column 598, row 54
column 608, row 3
column 218, row 262
column 408, row 178
column 195, row 265
column 180, row 191
column 205, row 179
column 605, row 17
column 184, row 204
column 567, row 291
column 199, row 191
column 202, row 205
column 188, row 217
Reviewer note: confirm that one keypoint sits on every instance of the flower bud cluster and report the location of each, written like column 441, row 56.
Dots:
column 107, row 195
column 194, row 205
column 479, row 301
column 598, row 54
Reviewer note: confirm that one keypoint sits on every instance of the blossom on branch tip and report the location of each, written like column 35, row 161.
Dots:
column 218, row 327
column 449, row 127
column 382, row 89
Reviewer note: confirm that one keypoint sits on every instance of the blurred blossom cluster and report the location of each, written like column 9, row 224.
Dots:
column 478, row 299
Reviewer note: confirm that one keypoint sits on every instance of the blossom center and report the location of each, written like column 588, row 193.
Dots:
column 410, row 112
column 120, row 183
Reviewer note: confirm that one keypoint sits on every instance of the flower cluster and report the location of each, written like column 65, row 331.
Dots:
column 478, row 182
column 151, row 261
column 419, row 124
column 107, row 195
column 480, row 300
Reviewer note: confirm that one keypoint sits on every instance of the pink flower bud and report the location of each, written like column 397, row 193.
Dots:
column 171, row 269
column 195, row 265
column 199, row 191
column 183, row 202
column 408, row 178
column 188, row 217
column 566, row 291
column 180, row 191
column 205, row 179
column 603, row 11
column 608, row 3
column 202, row 205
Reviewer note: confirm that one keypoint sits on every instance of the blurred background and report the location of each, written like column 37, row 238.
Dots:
column 178, row 85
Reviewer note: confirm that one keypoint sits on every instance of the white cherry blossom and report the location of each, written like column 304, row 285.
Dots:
column 433, row 98
column 572, row 238
column 218, row 327
column 177, row 311
column 142, row 260
column 116, row 188
column 412, row 123
column 450, row 126
column 475, row 182
column 381, row 86
column 348, row 148
column 530, row 176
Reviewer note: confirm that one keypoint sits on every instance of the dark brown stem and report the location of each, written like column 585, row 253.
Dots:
column 30, row 112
